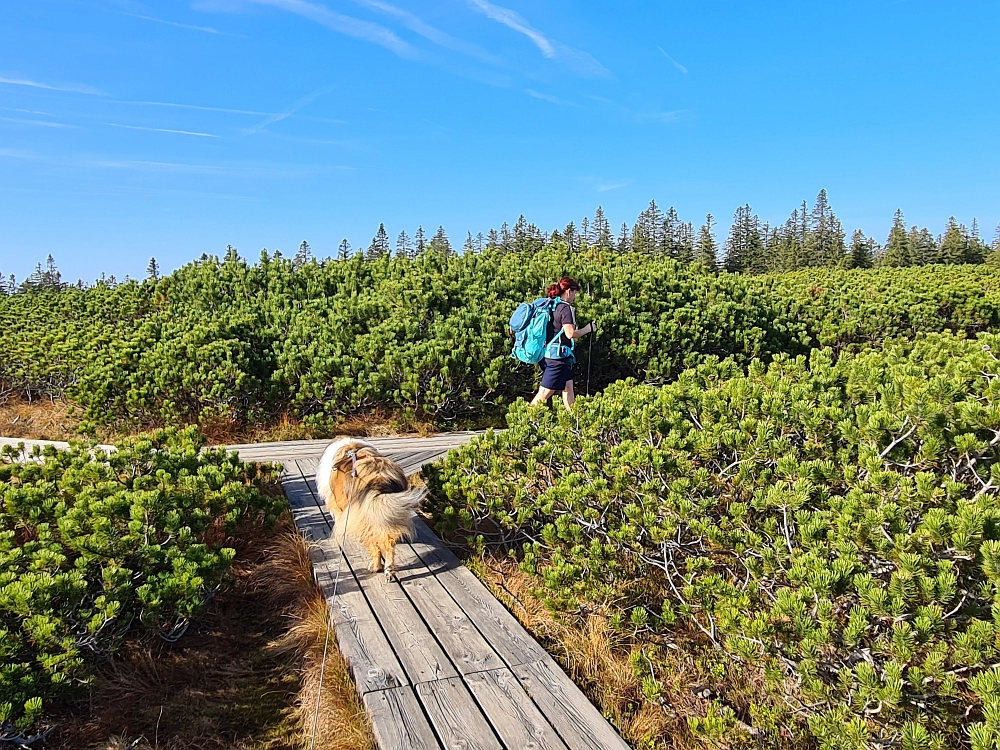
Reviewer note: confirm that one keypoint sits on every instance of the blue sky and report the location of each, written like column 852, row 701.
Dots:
column 170, row 129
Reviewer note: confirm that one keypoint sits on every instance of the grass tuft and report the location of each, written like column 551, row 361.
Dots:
column 244, row 677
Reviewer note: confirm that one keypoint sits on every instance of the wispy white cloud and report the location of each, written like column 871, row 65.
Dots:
column 677, row 65
column 71, row 88
column 347, row 25
column 612, row 186
column 161, row 130
column 582, row 62
column 189, row 27
column 28, row 111
column 286, row 113
column 11, row 153
column 514, row 20
column 225, row 110
column 550, row 98
column 673, row 116
column 39, row 123
column 199, row 107
column 244, row 170
column 419, row 26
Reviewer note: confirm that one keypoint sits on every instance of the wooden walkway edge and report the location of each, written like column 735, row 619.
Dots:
column 439, row 663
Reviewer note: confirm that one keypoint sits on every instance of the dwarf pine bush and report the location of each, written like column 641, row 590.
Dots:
column 427, row 336
column 93, row 546
column 828, row 523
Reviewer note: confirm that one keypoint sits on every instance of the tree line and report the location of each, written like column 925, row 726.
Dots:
column 810, row 238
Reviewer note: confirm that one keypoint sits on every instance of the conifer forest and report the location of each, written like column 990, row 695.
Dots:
column 784, row 463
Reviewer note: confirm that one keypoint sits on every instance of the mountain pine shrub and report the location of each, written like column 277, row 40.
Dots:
column 827, row 525
column 94, row 546
column 426, row 336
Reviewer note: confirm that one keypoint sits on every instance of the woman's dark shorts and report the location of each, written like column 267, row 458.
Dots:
column 555, row 373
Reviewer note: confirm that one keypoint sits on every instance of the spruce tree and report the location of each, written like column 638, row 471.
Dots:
column 862, row 251
column 379, row 247
column 733, row 249
column 647, row 229
column 897, row 246
column 685, row 244
column 744, row 249
column 789, row 252
column 602, row 230
column 404, row 248
column 493, row 240
column 469, row 246
column 824, row 239
column 922, row 247
column 571, row 237
column 954, row 244
column 3, row 286
column 480, row 241
column 585, row 237
column 440, row 242
column 624, row 242
column 419, row 241
column 506, row 239
column 47, row 279
column 668, row 229
column 978, row 249
column 754, row 259
column 302, row 256
column 521, row 235
column 706, row 251
column 344, row 249
column 153, row 270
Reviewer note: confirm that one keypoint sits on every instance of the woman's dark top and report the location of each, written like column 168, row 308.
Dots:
column 562, row 315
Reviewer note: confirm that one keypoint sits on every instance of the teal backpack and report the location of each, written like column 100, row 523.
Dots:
column 529, row 323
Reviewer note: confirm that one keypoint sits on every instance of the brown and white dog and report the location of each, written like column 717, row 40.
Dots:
column 369, row 492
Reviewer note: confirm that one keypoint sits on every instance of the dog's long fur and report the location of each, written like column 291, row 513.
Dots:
column 377, row 505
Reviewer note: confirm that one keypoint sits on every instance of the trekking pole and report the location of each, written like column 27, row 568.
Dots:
column 590, row 346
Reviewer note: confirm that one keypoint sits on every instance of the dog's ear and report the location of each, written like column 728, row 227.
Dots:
column 345, row 462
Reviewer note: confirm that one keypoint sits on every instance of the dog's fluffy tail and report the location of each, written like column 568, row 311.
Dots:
column 394, row 510
column 388, row 514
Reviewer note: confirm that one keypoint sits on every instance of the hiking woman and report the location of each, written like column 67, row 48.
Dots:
column 557, row 367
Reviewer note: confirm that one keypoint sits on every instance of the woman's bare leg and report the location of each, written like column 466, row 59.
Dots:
column 543, row 395
column 568, row 396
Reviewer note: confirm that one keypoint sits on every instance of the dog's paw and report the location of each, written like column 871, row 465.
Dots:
column 390, row 575
column 374, row 566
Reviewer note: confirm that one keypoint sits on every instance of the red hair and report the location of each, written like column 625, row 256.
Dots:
column 564, row 284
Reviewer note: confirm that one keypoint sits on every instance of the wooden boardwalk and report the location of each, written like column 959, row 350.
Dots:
column 438, row 661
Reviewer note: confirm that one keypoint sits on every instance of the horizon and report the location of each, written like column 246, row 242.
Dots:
column 134, row 130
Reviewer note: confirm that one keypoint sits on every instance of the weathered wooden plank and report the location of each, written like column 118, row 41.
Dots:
column 508, row 638
column 413, row 643
column 573, row 716
column 455, row 716
column 420, row 458
column 310, row 518
column 411, row 469
column 514, row 717
column 397, row 721
column 372, row 662
column 57, row 444
column 463, row 644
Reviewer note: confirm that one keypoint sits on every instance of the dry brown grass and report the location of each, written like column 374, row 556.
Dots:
column 41, row 419
column 600, row 660
column 60, row 419
column 244, row 677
